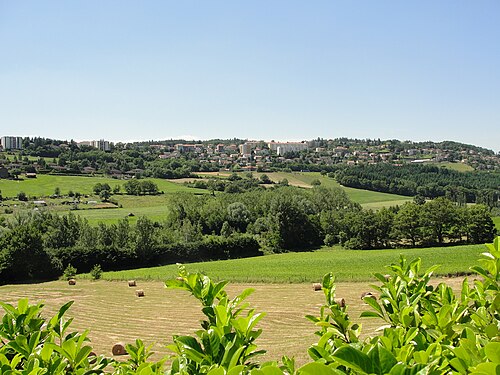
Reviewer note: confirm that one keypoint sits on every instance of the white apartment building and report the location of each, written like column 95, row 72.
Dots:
column 283, row 147
column 12, row 143
column 101, row 145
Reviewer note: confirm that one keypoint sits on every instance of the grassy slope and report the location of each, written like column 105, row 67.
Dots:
column 347, row 265
column 303, row 179
column 460, row 167
column 154, row 207
column 44, row 185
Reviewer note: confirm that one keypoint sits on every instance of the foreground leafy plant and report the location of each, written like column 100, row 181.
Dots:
column 427, row 330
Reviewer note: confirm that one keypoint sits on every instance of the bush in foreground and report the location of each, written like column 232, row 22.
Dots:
column 427, row 330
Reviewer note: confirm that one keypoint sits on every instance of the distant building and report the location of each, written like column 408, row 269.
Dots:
column 101, row 145
column 246, row 148
column 283, row 147
column 12, row 143
column 189, row 147
column 219, row 148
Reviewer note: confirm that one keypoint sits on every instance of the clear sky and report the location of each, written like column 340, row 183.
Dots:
column 259, row 69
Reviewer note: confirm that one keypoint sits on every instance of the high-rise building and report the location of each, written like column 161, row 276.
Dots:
column 12, row 143
column 283, row 147
column 101, row 145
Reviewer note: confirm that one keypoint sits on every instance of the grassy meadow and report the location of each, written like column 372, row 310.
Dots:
column 459, row 167
column 347, row 265
column 154, row 207
column 44, row 185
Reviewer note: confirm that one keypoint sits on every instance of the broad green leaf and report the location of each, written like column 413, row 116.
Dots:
column 370, row 314
column 271, row 370
column 316, row 369
column 353, row 359
column 382, row 359
column 217, row 371
column 492, row 351
column 459, row 365
column 486, row 368
column 236, row 370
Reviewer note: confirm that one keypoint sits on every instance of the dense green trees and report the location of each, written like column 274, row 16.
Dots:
column 140, row 187
column 281, row 218
column 426, row 180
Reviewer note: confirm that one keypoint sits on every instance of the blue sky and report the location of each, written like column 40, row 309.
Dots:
column 284, row 70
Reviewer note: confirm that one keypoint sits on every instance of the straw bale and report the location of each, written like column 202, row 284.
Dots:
column 317, row 286
column 118, row 349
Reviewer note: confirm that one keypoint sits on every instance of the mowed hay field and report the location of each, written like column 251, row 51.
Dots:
column 112, row 312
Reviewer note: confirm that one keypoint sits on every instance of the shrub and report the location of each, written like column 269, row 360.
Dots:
column 69, row 272
column 96, row 272
column 22, row 196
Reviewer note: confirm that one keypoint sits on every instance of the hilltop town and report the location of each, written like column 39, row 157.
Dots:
column 42, row 155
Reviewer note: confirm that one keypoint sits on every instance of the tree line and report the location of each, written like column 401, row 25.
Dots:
column 425, row 180
column 281, row 218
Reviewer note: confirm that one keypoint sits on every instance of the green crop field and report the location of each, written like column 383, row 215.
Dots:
column 44, row 185
column 347, row 265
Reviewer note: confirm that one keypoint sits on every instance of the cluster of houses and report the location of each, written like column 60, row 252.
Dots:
column 255, row 154
column 260, row 155
column 249, row 155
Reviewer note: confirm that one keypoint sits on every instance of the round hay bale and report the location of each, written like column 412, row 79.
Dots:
column 72, row 282
column 317, row 287
column 387, row 277
column 118, row 349
column 130, row 214
column 92, row 357
column 340, row 302
column 132, row 283
column 178, row 278
column 139, row 293
column 368, row 294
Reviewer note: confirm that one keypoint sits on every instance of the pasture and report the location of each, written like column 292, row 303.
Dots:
column 155, row 207
column 112, row 312
column 44, row 185
column 347, row 265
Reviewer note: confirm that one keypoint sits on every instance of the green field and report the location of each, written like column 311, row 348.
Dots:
column 44, row 185
column 372, row 199
column 347, row 265
column 459, row 167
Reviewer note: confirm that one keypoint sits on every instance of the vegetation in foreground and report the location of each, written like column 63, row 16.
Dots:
column 427, row 330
